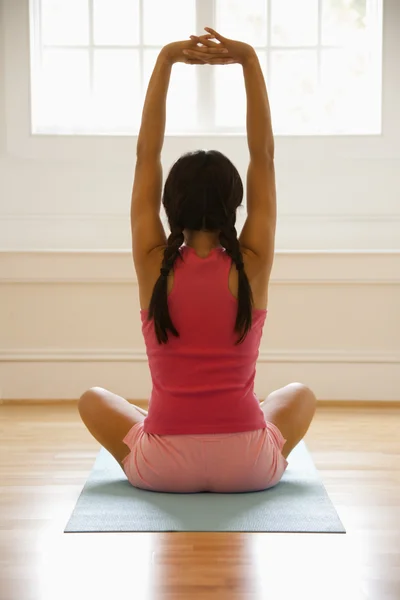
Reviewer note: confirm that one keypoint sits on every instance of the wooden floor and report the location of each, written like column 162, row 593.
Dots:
column 46, row 455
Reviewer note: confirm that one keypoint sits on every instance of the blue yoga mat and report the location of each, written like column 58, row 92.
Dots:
column 299, row 503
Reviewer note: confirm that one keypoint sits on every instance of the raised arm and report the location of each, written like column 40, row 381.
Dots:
column 147, row 230
column 260, row 137
column 258, row 233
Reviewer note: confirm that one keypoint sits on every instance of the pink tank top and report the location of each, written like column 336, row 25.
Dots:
column 202, row 382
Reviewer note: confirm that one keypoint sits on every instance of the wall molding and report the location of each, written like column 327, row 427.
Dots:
column 64, row 380
column 309, row 267
column 370, row 217
column 307, row 231
column 36, row 368
column 140, row 356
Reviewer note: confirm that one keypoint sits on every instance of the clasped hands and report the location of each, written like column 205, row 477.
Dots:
column 222, row 52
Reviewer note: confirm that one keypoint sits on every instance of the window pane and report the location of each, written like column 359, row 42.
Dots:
column 343, row 21
column 182, row 93
column 116, row 22
column 168, row 21
column 294, row 80
column 245, row 21
column 294, row 22
column 230, row 106
column 346, row 84
column 117, row 91
column 349, row 72
column 230, row 93
column 64, row 94
column 65, row 23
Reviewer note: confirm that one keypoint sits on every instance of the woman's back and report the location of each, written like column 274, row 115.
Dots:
column 255, row 268
column 202, row 381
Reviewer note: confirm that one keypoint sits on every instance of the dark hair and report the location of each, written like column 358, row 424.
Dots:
column 201, row 193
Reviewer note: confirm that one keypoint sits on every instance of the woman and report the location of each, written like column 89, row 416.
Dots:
column 203, row 298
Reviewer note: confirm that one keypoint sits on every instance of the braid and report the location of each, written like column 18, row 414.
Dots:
column 159, row 301
column 228, row 238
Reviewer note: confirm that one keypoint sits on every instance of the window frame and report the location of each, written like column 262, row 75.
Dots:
column 20, row 143
column 205, row 12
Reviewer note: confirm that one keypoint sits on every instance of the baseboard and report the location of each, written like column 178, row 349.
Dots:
column 358, row 403
column 115, row 355
column 144, row 403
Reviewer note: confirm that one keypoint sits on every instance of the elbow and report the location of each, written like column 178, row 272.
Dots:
column 147, row 149
column 263, row 148
column 267, row 154
column 148, row 154
column 143, row 152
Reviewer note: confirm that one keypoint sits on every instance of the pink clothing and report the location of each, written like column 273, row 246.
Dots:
column 202, row 382
column 205, row 430
column 247, row 461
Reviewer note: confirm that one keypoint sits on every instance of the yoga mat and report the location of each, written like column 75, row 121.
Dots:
column 298, row 503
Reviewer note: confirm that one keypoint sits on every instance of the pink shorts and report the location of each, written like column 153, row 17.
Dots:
column 246, row 461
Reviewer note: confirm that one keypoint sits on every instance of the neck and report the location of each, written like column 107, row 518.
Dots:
column 201, row 240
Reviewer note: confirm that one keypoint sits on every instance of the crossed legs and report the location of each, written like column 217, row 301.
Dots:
column 291, row 409
column 109, row 417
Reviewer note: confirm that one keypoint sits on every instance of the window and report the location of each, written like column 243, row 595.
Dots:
column 92, row 59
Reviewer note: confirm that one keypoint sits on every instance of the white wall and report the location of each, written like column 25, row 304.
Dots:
column 334, row 317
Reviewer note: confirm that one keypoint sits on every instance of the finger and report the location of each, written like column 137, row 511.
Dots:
column 205, row 54
column 204, row 39
column 200, row 58
column 206, row 36
column 221, row 61
column 194, row 54
column 216, row 35
column 209, row 60
column 192, row 61
column 214, row 50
